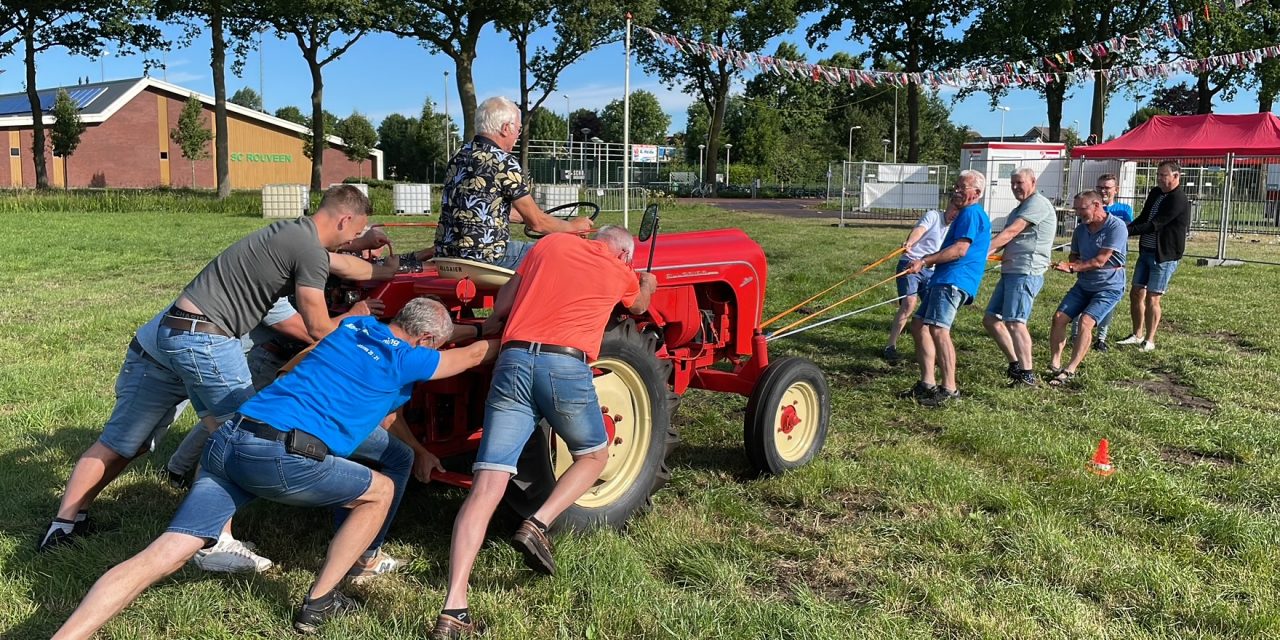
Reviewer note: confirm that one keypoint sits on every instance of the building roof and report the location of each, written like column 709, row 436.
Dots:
column 98, row 101
column 1200, row 135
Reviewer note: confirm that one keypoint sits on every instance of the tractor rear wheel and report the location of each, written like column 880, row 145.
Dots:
column 787, row 416
column 637, row 406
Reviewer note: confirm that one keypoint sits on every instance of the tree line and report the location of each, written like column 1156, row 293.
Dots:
column 777, row 122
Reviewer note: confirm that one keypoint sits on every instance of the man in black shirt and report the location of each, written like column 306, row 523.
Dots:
column 1161, row 230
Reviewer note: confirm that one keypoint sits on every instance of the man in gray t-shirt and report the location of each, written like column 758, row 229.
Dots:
column 1027, row 240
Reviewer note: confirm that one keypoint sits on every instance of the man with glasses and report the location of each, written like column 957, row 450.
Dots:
column 481, row 187
column 1098, row 250
column 959, row 265
column 1108, row 187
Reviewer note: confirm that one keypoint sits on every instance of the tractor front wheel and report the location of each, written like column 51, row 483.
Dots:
column 636, row 405
column 787, row 415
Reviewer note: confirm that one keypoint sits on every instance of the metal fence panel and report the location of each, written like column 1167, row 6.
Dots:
column 886, row 191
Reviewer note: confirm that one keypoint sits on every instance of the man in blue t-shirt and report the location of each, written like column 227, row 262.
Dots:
column 293, row 443
column 1098, row 251
column 959, row 266
column 1108, row 186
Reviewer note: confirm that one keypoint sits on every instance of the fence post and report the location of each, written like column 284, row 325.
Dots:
column 1226, row 208
column 844, row 186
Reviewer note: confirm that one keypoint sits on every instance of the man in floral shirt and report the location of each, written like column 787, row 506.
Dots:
column 482, row 186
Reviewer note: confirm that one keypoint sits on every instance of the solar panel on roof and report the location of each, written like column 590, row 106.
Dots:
column 17, row 105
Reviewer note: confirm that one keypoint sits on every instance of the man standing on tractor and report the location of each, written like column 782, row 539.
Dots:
column 192, row 350
column 552, row 314
column 485, row 190
column 959, row 264
column 300, row 442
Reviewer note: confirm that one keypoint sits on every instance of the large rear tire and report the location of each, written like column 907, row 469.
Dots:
column 787, row 416
column 631, row 383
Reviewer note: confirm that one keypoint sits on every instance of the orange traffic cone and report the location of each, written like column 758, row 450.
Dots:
column 1101, row 462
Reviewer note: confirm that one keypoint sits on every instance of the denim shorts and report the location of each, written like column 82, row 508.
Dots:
column 516, row 250
column 912, row 284
column 529, row 387
column 1014, row 296
column 147, row 400
column 939, row 304
column 212, row 367
column 238, row 467
column 263, row 366
column 1095, row 304
column 1151, row 275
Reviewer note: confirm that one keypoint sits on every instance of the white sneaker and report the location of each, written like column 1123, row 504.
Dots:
column 1132, row 339
column 1147, row 346
column 230, row 556
column 379, row 564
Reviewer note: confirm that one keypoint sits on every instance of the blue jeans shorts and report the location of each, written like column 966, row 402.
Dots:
column 1095, row 304
column 912, row 284
column 238, row 467
column 529, row 387
column 516, row 250
column 939, row 304
column 148, row 397
column 1014, row 297
column 1151, row 275
column 212, row 367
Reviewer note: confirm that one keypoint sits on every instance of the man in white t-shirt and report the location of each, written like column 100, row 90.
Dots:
column 924, row 239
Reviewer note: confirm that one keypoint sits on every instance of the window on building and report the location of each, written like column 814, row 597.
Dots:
column 15, row 151
column 164, row 155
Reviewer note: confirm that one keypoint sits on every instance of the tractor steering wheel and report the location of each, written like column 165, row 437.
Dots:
column 569, row 212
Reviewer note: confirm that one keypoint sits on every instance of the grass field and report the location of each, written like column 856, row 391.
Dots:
column 976, row 520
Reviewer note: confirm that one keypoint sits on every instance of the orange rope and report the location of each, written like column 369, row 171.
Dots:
column 830, row 307
column 832, row 287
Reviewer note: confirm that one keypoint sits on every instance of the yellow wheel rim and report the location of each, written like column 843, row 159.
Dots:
column 795, row 421
column 621, row 389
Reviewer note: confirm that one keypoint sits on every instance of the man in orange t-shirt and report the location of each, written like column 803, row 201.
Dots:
column 555, row 310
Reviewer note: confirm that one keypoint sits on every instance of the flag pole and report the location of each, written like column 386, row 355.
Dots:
column 626, row 134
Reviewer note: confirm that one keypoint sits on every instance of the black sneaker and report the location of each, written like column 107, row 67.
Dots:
column 55, row 538
column 890, row 355
column 940, row 397
column 1013, row 370
column 1100, row 345
column 1025, row 378
column 310, row 616
column 177, row 480
column 919, row 391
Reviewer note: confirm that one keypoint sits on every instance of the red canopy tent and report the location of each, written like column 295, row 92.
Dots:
column 1253, row 134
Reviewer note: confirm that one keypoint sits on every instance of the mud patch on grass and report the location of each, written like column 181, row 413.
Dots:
column 1189, row 457
column 1237, row 342
column 823, row 577
column 1170, row 390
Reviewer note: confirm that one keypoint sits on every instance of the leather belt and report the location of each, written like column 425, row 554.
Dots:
column 191, row 324
column 261, row 429
column 541, row 347
column 136, row 347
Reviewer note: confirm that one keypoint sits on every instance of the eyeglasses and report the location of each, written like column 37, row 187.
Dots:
column 958, row 189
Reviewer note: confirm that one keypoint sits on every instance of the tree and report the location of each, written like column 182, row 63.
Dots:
column 247, row 98
column 585, row 119
column 191, row 135
column 737, row 24
column 398, row 145
column 1142, row 115
column 649, row 123
column 578, row 27
column 451, row 27
column 292, row 114
column 323, row 31
column 1177, row 100
column 359, row 138
column 66, row 131
column 543, row 124
column 230, row 28
column 83, row 27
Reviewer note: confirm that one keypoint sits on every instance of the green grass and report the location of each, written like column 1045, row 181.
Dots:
column 977, row 520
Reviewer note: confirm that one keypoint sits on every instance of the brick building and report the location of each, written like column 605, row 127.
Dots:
column 126, row 142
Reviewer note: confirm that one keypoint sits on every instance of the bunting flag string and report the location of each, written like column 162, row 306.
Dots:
column 1006, row 75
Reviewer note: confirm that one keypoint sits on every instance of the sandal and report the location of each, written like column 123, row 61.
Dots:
column 1061, row 377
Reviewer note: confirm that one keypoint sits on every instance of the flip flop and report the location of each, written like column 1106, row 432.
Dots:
column 1061, row 377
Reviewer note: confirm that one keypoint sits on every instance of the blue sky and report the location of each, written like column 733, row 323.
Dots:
column 383, row 74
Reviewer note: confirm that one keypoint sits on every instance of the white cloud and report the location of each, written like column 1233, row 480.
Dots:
column 180, row 77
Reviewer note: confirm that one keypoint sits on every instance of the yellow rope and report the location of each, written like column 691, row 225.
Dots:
column 834, row 286
column 832, row 306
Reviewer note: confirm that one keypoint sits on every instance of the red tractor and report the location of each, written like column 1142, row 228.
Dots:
column 701, row 331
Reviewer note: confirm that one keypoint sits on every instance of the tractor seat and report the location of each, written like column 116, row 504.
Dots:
column 486, row 276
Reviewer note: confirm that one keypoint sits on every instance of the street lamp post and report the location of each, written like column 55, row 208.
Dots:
column 447, row 142
column 727, row 147
column 886, row 149
column 597, row 142
column 585, row 133
column 1003, row 110
column 851, row 129
column 702, row 172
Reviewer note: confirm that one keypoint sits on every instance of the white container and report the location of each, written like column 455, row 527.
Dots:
column 411, row 199
column 364, row 188
column 553, row 195
column 285, row 200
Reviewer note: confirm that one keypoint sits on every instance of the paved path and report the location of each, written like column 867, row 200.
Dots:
column 791, row 207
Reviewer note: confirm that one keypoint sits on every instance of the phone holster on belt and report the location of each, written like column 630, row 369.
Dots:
column 305, row 445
